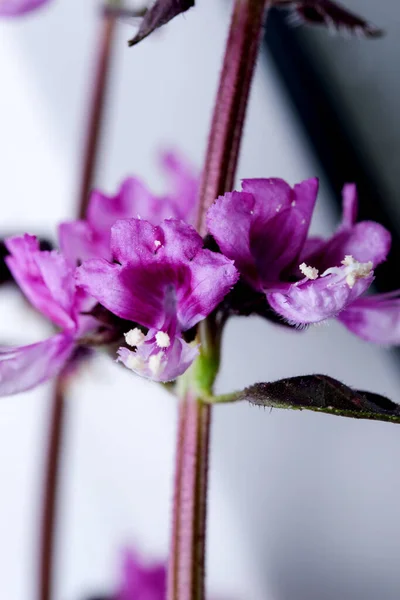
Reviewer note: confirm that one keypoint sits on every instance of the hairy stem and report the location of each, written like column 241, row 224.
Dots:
column 186, row 566
column 97, row 104
column 187, row 553
column 230, row 108
column 50, row 490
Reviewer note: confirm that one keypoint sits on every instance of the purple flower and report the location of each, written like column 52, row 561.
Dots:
column 48, row 282
column 264, row 229
column 142, row 582
column 11, row 8
column 164, row 281
column 90, row 238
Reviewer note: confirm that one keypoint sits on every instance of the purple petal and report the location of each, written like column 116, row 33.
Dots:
column 229, row 221
column 313, row 246
column 368, row 241
column 181, row 242
column 212, row 277
column 135, row 240
column 311, row 301
column 78, row 242
column 133, row 199
column 11, row 8
column 350, row 204
column 156, row 362
column 142, row 582
column 275, row 252
column 137, row 293
column 139, row 289
column 24, row 367
column 159, row 14
column 81, row 240
column 263, row 228
column 183, row 185
column 375, row 318
column 270, row 195
column 45, row 278
column 115, row 287
column 365, row 241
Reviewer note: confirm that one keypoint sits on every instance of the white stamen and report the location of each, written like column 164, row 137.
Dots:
column 134, row 337
column 294, row 203
column 135, row 362
column 163, row 340
column 278, row 208
column 155, row 363
column 157, row 243
column 309, row 272
column 356, row 270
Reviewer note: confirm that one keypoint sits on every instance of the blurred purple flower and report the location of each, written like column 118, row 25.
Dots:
column 12, row 8
column 163, row 280
column 140, row 582
column 48, row 282
column 375, row 318
column 90, row 238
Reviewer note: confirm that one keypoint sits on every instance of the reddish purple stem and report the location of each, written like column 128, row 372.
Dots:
column 57, row 416
column 187, row 553
column 186, row 567
column 96, row 110
column 51, row 484
column 230, row 108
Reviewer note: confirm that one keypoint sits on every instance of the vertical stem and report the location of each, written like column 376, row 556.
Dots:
column 57, row 415
column 50, row 490
column 97, row 104
column 187, row 554
column 186, row 566
column 230, row 108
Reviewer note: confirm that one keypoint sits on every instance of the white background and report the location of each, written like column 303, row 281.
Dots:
column 302, row 506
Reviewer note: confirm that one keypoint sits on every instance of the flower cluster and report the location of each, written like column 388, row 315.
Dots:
column 137, row 260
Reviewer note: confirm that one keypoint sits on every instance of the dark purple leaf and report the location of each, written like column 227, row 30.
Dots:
column 330, row 14
column 321, row 393
column 159, row 14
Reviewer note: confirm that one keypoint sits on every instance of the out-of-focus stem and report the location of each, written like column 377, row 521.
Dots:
column 97, row 103
column 57, row 414
column 230, row 107
column 51, row 482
